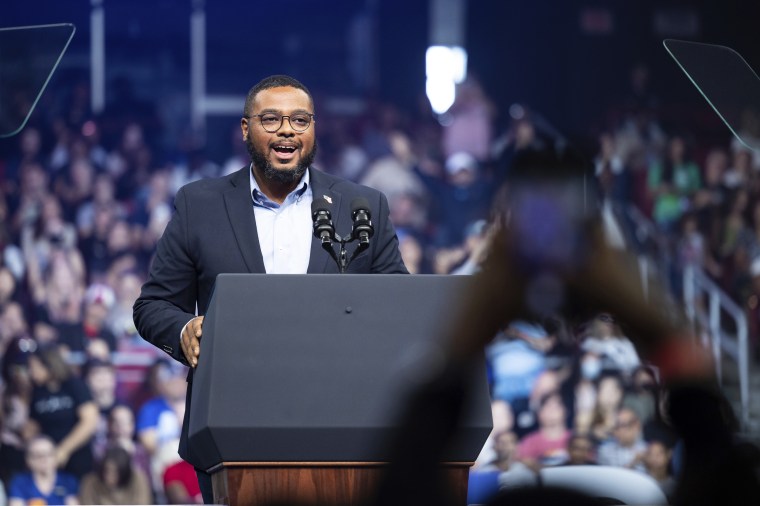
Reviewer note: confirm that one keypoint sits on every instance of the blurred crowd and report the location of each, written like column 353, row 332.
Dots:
column 572, row 395
column 91, row 412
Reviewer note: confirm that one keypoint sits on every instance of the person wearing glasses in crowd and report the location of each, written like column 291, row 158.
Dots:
column 43, row 484
column 626, row 448
column 255, row 220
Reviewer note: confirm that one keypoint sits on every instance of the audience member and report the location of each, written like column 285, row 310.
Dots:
column 115, row 481
column 43, row 484
column 16, row 394
column 606, row 340
column 610, row 167
column 515, row 362
column 62, row 408
column 181, row 484
column 121, row 432
column 464, row 198
column 547, row 446
column 92, row 332
column 13, row 323
column 100, row 378
column 657, row 457
column 672, row 183
column 159, row 420
column 608, row 399
column 580, row 451
column 643, row 396
column 503, row 471
column 627, row 446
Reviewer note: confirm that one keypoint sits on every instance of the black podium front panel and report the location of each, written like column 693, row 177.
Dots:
column 317, row 367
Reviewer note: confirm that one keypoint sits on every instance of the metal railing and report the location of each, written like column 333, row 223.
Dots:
column 697, row 287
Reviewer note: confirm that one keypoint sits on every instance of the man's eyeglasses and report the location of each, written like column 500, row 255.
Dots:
column 605, row 317
column 272, row 122
column 625, row 424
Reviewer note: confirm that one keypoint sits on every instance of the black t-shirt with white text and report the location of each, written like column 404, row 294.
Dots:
column 56, row 414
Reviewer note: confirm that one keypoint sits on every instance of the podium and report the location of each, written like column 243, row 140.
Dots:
column 302, row 380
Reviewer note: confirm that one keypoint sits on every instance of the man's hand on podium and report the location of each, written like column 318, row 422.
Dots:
column 191, row 340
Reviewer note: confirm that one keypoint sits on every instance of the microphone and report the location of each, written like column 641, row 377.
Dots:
column 362, row 228
column 323, row 225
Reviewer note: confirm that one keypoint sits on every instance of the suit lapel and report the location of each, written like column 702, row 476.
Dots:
column 239, row 206
column 319, row 259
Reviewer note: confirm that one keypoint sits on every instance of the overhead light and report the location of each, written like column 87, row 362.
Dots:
column 445, row 67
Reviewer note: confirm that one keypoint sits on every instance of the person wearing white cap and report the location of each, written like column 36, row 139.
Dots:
column 465, row 198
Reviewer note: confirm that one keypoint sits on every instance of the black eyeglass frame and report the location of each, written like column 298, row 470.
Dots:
column 282, row 117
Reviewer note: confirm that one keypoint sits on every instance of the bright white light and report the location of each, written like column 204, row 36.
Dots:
column 458, row 64
column 441, row 93
column 445, row 67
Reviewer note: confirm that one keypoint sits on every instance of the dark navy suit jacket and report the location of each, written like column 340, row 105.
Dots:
column 213, row 231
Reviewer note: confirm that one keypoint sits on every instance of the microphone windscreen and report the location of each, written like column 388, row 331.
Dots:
column 319, row 204
column 359, row 203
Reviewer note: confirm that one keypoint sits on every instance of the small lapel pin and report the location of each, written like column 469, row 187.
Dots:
column 328, row 199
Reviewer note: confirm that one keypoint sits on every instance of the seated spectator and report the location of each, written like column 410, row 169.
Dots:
column 627, row 447
column 503, row 421
column 140, row 392
column 503, row 470
column 14, row 406
column 546, row 446
column 585, row 397
column 476, row 247
column 608, row 400
column 692, row 247
column 464, row 199
column 181, row 484
column 100, row 378
column 13, row 324
column 643, row 396
column 656, row 460
column 411, row 252
column 115, row 481
column 580, row 451
column 740, row 171
column 94, row 232
column 611, row 170
column 393, row 174
column 44, row 484
column 98, row 300
column 515, row 362
column 62, row 408
column 605, row 339
column 505, row 446
column 672, row 183
column 7, row 283
column 160, row 419
column 74, row 183
column 121, row 433
column 734, row 227
column 127, row 287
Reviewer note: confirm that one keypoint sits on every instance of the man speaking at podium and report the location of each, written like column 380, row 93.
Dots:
column 256, row 220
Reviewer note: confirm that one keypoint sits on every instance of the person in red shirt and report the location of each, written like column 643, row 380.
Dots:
column 181, row 484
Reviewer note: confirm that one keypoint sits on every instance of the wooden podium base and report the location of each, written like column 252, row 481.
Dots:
column 340, row 483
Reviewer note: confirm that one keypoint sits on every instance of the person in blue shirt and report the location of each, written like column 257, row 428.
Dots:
column 43, row 484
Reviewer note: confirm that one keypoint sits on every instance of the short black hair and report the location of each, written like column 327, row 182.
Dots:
column 275, row 81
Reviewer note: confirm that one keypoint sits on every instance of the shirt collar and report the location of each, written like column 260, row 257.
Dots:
column 261, row 200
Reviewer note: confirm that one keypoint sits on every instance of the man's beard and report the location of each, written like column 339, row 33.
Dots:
column 287, row 176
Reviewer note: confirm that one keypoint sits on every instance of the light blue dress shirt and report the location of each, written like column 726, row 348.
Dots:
column 285, row 230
